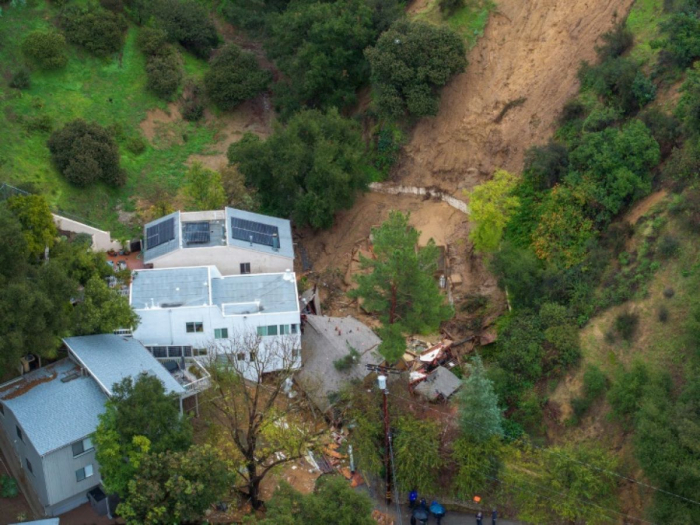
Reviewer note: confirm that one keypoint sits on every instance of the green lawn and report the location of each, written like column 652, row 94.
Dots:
column 469, row 21
column 111, row 92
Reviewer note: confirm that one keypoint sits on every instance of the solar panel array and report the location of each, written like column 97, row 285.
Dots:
column 160, row 233
column 196, row 232
column 257, row 232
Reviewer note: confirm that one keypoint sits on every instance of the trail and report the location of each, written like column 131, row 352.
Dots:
column 531, row 49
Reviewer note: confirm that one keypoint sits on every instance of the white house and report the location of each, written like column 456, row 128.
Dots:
column 235, row 241
column 199, row 312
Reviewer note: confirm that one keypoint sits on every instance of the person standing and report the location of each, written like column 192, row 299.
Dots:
column 412, row 497
column 494, row 516
column 479, row 518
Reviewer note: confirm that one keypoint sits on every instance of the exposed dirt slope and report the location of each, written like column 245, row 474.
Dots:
column 531, row 49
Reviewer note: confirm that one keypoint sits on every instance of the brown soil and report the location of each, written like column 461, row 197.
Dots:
column 156, row 119
column 642, row 207
column 529, row 50
column 299, row 474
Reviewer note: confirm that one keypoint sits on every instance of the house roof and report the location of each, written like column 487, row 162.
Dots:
column 51, row 412
column 439, row 382
column 335, row 337
column 156, row 231
column 284, row 232
column 234, row 294
column 110, row 358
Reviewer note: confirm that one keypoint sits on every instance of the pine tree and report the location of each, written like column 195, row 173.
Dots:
column 480, row 417
column 401, row 287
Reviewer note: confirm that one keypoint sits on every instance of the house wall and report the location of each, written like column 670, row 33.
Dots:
column 101, row 240
column 226, row 258
column 61, row 483
column 25, row 450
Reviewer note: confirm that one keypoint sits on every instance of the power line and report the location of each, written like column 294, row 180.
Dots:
column 599, row 469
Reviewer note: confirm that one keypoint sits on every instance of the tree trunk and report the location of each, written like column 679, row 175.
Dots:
column 254, row 485
column 392, row 308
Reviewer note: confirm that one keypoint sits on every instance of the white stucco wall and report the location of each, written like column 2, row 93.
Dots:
column 226, row 258
column 101, row 240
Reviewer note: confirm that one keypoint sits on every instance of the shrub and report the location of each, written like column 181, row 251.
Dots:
column 663, row 313
column 99, row 31
column 669, row 292
column 683, row 165
column 40, row 123
column 8, row 487
column 136, row 145
column 615, row 42
column 665, row 128
column 164, row 74
column 594, row 382
column 682, row 42
column 21, row 79
column 188, row 22
column 47, row 49
column 627, row 390
column 616, row 236
column 546, row 165
column 151, row 40
column 85, row 152
column 668, row 246
column 573, row 109
column 116, row 6
column 344, row 363
column 450, row 6
column 626, row 325
column 234, row 76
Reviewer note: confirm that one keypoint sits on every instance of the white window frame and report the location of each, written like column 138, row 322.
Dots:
column 88, row 472
column 87, row 447
column 220, row 333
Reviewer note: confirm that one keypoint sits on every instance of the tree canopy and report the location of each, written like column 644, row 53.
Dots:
column 491, row 205
column 410, row 61
column 99, row 31
column 203, row 189
column 186, row 22
column 102, row 310
column 480, row 416
column 36, row 220
column 46, row 48
column 308, row 169
column 400, row 285
column 234, row 77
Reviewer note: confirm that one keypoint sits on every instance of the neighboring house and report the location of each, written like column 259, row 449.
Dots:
column 330, row 339
column 235, row 241
column 49, row 415
column 438, row 385
column 199, row 312
column 101, row 240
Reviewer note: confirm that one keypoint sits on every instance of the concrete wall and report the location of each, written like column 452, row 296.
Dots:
column 226, row 258
column 382, row 187
column 101, row 240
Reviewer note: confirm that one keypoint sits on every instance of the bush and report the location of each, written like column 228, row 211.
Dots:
column 668, row 246
column 626, row 325
column 116, row 6
column 669, row 292
column 666, row 129
column 85, row 152
column 450, row 6
column 616, row 236
column 8, row 487
column 546, row 165
column 47, row 49
column 682, row 42
column 620, row 82
column 683, row 165
column 99, row 31
column 594, row 382
column 615, row 42
column 151, row 40
column 663, row 313
column 573, row 109
column 40, row 123
column 136, row 145
column 627, row 390
column 192, row 109
column 164, row 74
column 234, row 76
column 188, row 22
column 21, row 79
column 406, row 76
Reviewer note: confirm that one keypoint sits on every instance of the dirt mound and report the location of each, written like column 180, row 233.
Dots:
column 530, row 50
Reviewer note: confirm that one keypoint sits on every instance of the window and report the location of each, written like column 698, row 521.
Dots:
column 253, row 356
column 83, row 473
column 284, row 329
column 174, row 351
column 29, row 465
column 262, row 330
column 19, row 434
column 82, row 446
column 220, row 333
column 160, row 351
column 240, row 356
column 272, row 329
column 187, row 351
column 295, row 328
column 194, row 327
column 245, row 268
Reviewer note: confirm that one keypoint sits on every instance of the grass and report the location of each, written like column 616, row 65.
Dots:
column 111, row 92
column 643, row 20
column 469, row 21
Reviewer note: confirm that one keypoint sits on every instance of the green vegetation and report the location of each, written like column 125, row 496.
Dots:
column 401, row 288
column 98, row 31
column 46, row 48
column 234, row 77
column 480, row 417
column 491, row 205
column 203, row 189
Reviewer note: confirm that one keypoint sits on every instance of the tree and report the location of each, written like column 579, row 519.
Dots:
column 259, row 425
column 410, row 62
column 80, row 262
column 238, row 195
column 175, row 487
column 203, row 189
column 570, row 484
column 164, row 73
column 333, row 501
column 99, row 31
column 187, row 22
column 308, row 170
column 85, row 152
column 491, row 204
column 478, row 465
column 318, row 46
column 102, row 310
column 46, row 48
column 234, row 77
column 480, row 417
column 546, row 165
column 417, row 460
column 401, row 287
column 139, row 418
column 36, row 220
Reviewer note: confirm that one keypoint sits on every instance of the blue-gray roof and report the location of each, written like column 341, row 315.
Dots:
column 265, row 293
column 170, row 287
column 54, row 414
column 150, row 253
column 110, row 358
column 284, row 230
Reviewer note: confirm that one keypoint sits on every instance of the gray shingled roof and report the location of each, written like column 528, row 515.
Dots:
column 169, row 287
column 151, row 253
column 439, row 382
column 270, row 291
column 284, row 229
column 54, row 414
column 323, row 346
column 110, row 358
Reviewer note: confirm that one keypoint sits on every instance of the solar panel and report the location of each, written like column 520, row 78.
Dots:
column 196, row 232
column 256, row 232
column 160, row 233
